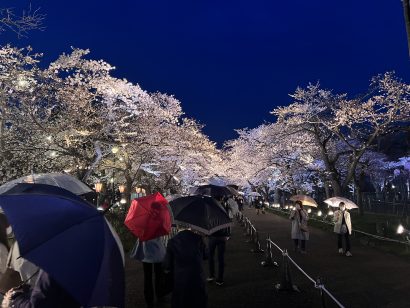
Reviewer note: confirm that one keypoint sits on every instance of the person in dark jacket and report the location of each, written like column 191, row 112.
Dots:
column 217, row 241
column 184, row 257
column 46, row 293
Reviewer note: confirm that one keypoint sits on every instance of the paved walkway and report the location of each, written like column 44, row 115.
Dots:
column 369, row 279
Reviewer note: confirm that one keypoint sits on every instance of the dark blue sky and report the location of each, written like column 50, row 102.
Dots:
column 230, row 62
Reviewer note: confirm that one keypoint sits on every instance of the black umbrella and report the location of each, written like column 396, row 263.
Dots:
column 236, row 187
column 214, row 191
column 201, row 213
column 233, row 191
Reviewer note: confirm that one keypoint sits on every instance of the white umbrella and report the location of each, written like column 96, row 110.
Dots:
column 55, row 179
column 306, row 200
column 335, row 201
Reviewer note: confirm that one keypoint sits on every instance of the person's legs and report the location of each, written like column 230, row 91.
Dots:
column 211, row 260
column 221, row 260
column 296, row 243
column 148, row 287
column 347, row 239
column 158, row 277
column 339, row 241
column 303, row 245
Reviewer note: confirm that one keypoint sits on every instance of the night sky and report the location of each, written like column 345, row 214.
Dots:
column 230, row 62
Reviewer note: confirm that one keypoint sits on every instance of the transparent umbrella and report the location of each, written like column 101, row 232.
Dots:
column 306, row 200
column 61, row 180
column 335, row 201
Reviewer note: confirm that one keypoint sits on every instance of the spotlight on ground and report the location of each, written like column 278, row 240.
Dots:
column 400, row 229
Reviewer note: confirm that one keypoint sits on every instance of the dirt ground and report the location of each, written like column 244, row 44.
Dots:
column 370, row 278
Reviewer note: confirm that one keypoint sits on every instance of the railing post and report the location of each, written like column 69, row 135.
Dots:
column 319, row 285
column 286, row 278
column 258, row 248
column 249, row 233
column 268, row 254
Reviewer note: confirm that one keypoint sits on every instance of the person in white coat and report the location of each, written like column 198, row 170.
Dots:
column 151, row 253
column 343, row 228
column 300, row 232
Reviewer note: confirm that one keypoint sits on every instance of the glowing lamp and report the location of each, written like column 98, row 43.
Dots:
column 98, row 187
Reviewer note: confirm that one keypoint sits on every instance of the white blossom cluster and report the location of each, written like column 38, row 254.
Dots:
column 75, row 117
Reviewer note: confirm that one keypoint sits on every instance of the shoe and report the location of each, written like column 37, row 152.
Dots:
column 341, row 250
column 303, row 252
column 219, row 282
column 349, row 254
column 210, row 279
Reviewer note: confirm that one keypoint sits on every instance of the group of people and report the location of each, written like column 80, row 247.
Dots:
column 300, row 232
column 177, row 264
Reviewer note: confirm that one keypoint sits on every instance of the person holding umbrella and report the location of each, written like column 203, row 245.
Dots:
column 46, row 293
column 184, row 259
column 343, row 228
column 186, row 251
column 299, row 231
column 149, row 220
column 151, row 253
column 258, row 205
column 78, row 251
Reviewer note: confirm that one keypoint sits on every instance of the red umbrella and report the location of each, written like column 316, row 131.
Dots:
column 149, row 217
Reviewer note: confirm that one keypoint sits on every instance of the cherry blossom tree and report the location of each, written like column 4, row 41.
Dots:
column 268, row 158
column 75, row 116
column 357, row 123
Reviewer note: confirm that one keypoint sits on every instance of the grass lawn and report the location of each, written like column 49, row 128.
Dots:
column 377, row 224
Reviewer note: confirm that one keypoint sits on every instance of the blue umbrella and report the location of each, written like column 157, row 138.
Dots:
column 70, row 240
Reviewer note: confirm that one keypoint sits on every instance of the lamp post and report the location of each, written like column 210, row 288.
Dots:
column 98, row 188
column 140, row 191
column 405, row 232
column 121, row 188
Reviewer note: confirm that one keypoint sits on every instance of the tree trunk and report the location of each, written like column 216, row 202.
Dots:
column 330, row 167
column 406, row 11
column 327, row 191
column 276, row 199
column 359, row 200
column 337, row 188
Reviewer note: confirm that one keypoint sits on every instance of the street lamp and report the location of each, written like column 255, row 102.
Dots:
column 121, row 188
column 400, row 229
column 405, row 232
column 330, row 213
column 140, row 191
column 98, row 187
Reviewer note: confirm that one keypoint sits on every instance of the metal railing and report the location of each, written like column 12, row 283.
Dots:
column 286, row 283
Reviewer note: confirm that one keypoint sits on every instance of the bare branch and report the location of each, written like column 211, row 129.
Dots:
column 21, row 24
